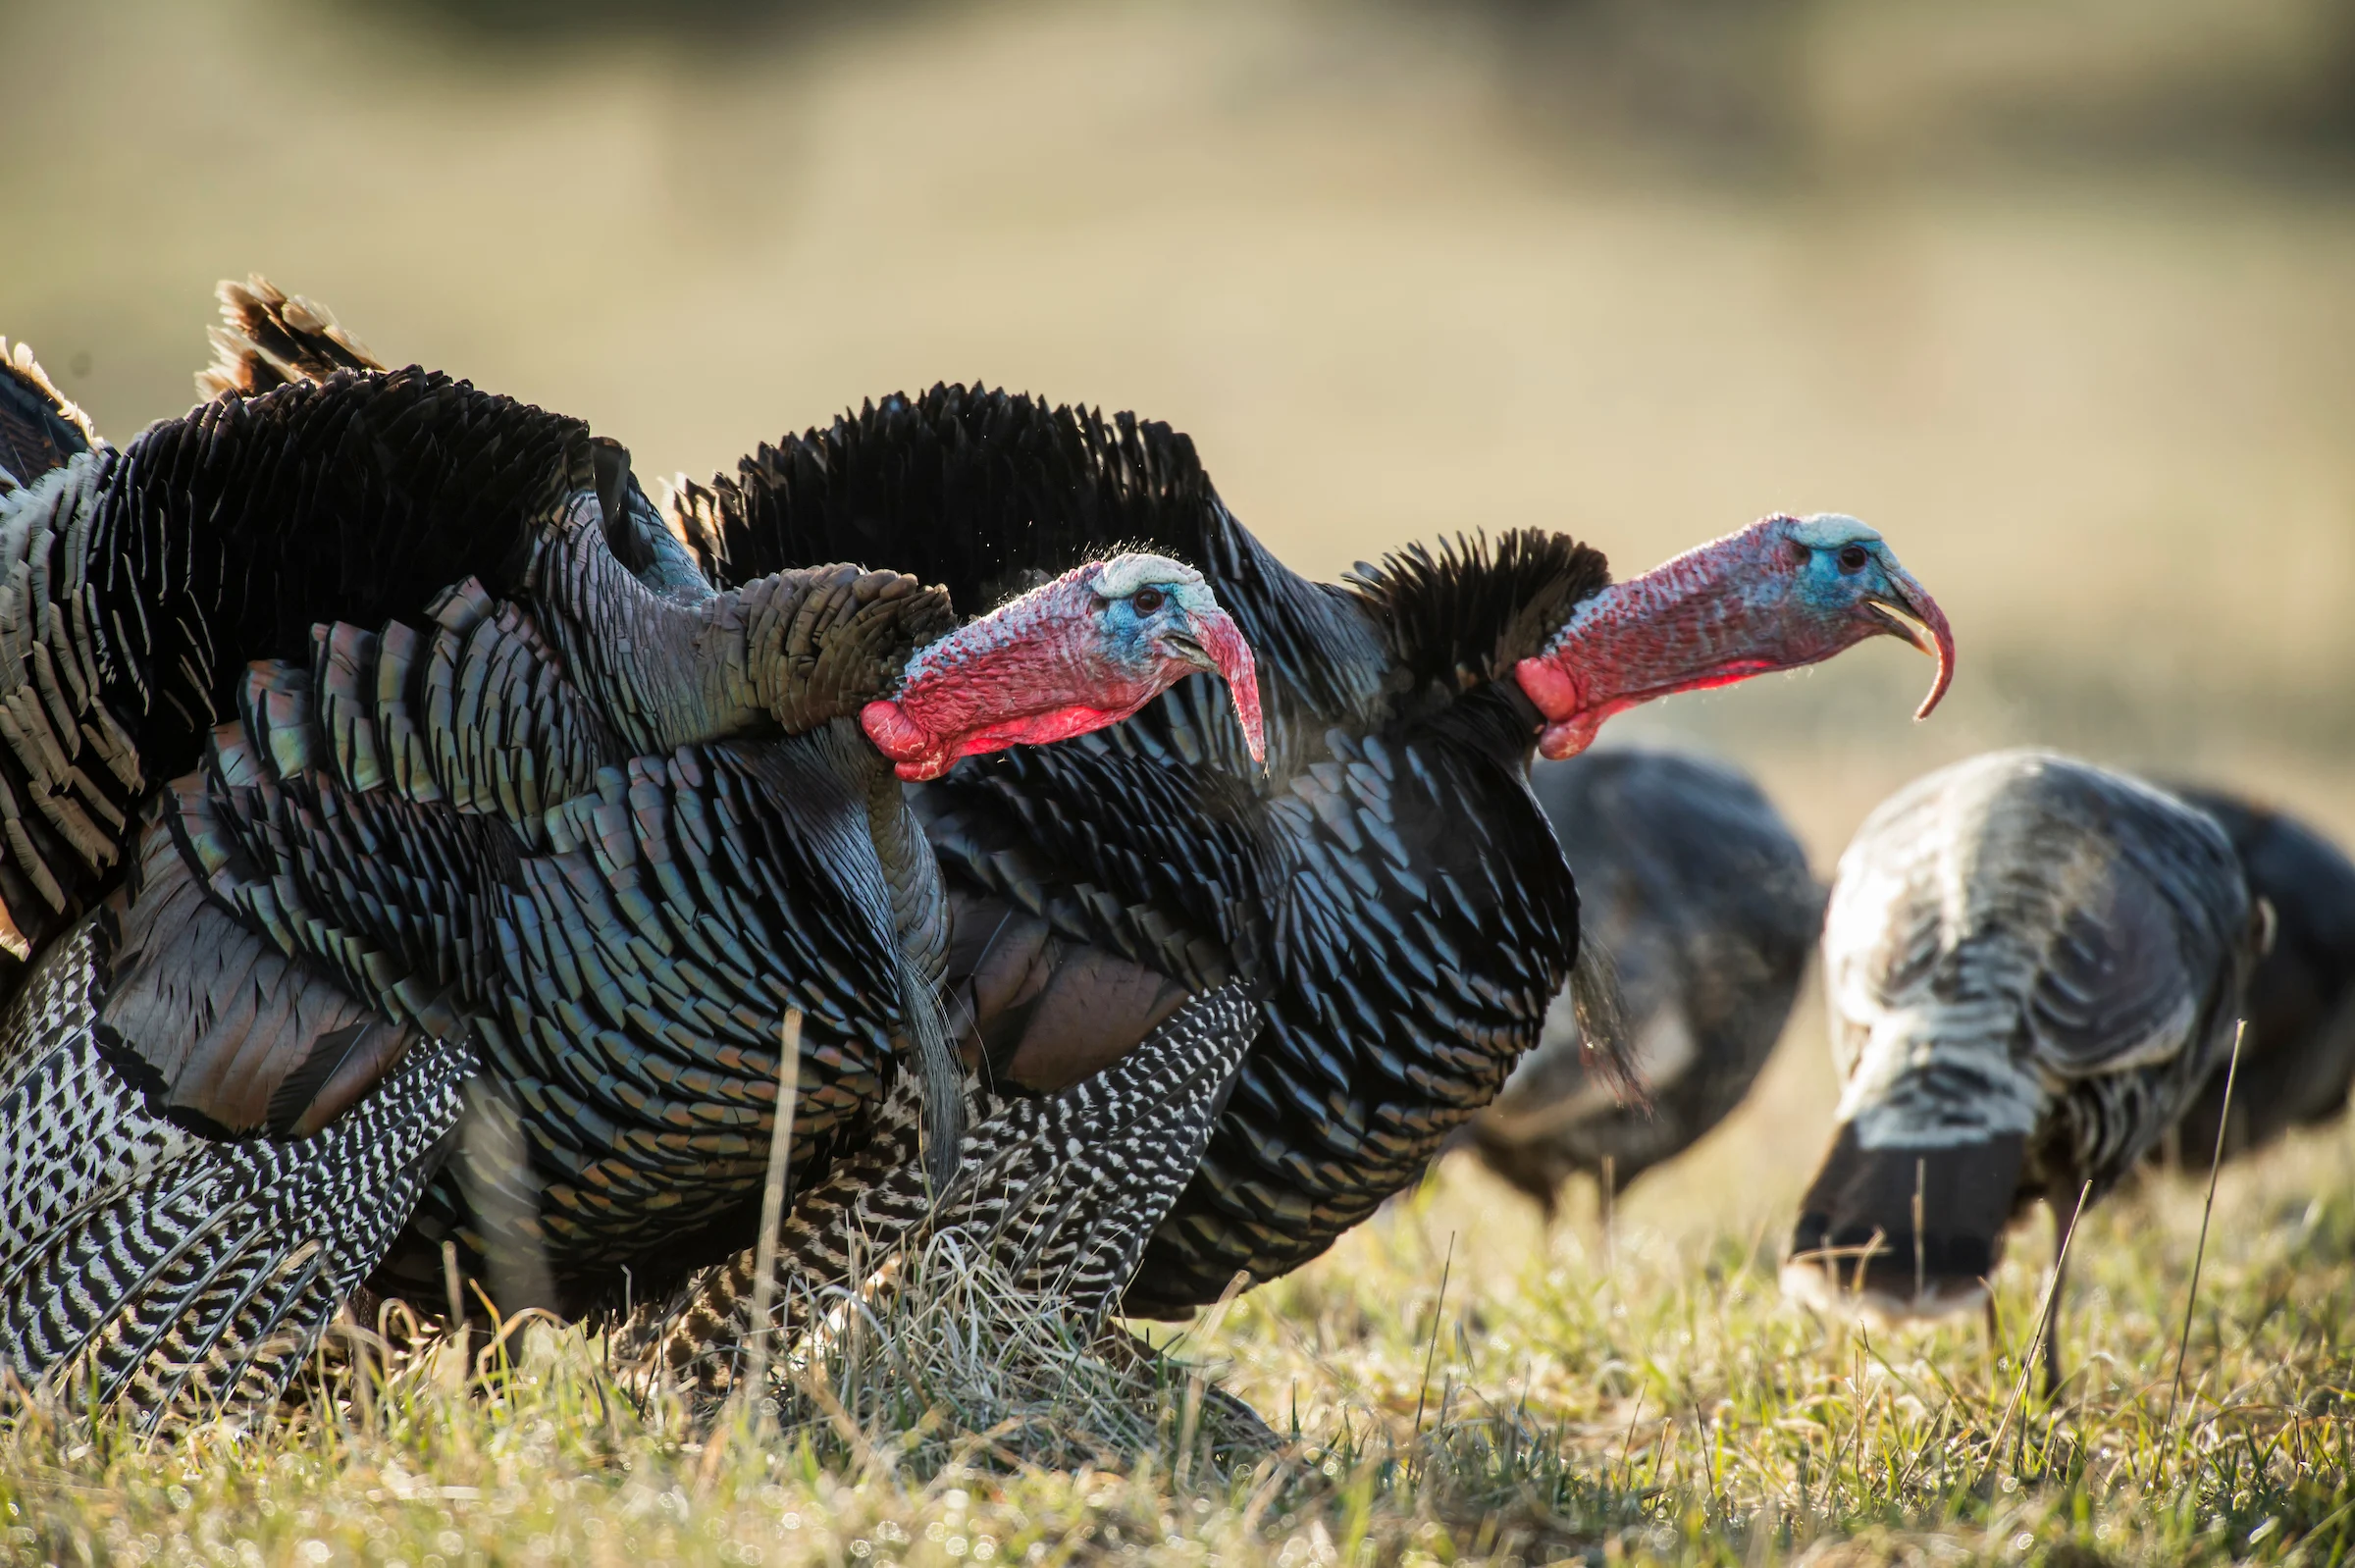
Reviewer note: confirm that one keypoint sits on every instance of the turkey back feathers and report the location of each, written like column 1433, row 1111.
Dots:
column 144, row 580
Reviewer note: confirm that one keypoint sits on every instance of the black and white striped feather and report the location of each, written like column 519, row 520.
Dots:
column 184, row 1273
column 1064, row 1190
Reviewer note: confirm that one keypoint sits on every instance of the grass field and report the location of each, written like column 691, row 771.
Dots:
column 1655, row 1401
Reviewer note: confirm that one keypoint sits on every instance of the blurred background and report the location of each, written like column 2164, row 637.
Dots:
column 2060, row 293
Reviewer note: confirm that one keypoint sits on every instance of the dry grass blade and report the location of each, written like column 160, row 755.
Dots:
column 951, row 1360
column 1197, row 1381
column 2199, row 1256
column 2044, row 1325
column 772, row 1203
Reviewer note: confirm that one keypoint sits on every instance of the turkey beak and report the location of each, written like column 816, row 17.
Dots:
column 1913, row 615
column 1213, row 641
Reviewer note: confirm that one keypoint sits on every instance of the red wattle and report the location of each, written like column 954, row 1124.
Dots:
column 919, row 754
column 1546, row 683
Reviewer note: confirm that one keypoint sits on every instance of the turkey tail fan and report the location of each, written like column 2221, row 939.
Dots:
column 147, row 578
column 269, row 339
column 1066, row 1189
column 39, row 429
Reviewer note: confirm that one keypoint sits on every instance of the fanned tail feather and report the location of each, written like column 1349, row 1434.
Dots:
column 40, row 428
column 269, row 339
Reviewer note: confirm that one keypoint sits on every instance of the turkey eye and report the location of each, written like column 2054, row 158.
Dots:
column 1146, row 601
column 1853, row 557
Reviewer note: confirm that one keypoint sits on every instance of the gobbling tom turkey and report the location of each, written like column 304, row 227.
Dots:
column 1386, row 886
column 497, row 844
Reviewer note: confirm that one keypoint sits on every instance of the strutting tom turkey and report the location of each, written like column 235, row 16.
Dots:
column 1388, row 889
column 1386, row 886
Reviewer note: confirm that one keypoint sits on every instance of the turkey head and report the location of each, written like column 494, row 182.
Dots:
column 1781, row 592
column 1087, row 650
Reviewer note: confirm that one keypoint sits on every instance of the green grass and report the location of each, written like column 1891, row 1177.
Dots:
column 1661, row 1404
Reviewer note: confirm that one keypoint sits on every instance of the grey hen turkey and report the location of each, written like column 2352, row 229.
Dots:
column 1698, row 892
column 2032, row 965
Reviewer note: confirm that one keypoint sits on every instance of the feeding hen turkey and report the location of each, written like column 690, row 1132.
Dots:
column 2032, row 965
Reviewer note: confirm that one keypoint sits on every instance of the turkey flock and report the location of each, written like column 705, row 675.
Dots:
column 432, row 870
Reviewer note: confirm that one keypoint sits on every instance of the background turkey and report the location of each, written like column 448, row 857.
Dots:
column 1699, row 893
column 1388, row 885
column 2032, row 965
column 2297, row 1060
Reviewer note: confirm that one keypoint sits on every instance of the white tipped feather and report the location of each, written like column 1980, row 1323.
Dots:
column 1123, row 575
